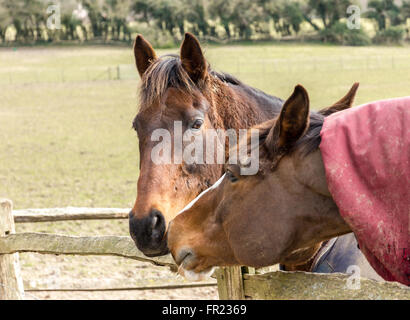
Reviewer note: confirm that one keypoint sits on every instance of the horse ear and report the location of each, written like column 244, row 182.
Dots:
column 291, row 123
column 144, row 54
column 192, row 58
column 345, row 103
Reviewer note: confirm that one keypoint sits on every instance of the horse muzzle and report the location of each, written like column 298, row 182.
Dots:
column 148, row 233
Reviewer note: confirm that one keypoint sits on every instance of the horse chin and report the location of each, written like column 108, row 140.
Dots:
column 191, row 275
column 160, row 253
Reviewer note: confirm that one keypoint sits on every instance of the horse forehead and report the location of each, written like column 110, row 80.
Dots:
column 151, row 118
column 174, row 101
column 183, row 99
column 173, row 95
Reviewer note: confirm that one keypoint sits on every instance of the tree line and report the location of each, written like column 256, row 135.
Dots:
column 165, row 21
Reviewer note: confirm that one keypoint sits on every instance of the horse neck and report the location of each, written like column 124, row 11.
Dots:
column 310, row 172
column 325, row 216
column 240, row 107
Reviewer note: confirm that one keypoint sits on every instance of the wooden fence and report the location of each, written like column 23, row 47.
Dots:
column 233, row 283
column 11, row 243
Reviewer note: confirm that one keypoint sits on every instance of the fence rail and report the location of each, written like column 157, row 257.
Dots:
column 129, row 288
column 318, row 286
column 47, row 243
column 69, row 213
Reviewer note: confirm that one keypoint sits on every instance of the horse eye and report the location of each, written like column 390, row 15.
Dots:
column 197, row 124
column 231, row 176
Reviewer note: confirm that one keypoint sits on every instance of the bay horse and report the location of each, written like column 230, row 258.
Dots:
column 318, row 178
column 184, row 88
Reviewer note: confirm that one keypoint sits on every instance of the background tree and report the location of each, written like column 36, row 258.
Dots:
column 244, row 15
column 405, row 10
column 69, row 21
column 328, row 11
column 222, row 11
column 96, row 16
column 118, row 12
column 382, row 11
column 168, row 20
column 287, row 16
column 5, row 20
column 195, row 12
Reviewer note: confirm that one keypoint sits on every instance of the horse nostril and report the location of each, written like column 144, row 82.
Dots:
column 157, row 220
column 157, row 226
column 182, row 256
column 154, row 222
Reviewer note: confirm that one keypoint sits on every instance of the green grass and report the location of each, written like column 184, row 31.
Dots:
column 71, row 144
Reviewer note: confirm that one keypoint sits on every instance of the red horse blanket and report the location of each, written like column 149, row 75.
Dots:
column 366, row 153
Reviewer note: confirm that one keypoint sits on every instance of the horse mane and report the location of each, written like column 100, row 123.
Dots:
column 310, row 141
column 307, row 144
column 168, row 72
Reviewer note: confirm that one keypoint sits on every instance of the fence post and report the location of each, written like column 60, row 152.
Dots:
column 230, row 283
column 118, row 73
column 11, row 283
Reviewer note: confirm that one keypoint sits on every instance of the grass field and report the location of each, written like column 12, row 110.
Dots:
column 71, row 143
column 66, row 140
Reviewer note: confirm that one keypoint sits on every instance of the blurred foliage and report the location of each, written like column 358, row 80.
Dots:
column 340, row 33
column 166, row 21
column 390, row 35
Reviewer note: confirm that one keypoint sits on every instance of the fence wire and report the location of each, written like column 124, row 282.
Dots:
column 260, row 67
